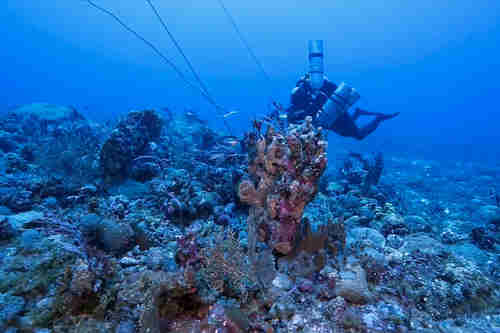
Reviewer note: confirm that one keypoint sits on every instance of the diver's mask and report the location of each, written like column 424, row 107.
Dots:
column 316, row 68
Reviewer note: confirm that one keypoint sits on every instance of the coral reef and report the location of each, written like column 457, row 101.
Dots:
column 226, row 269
column 6, row 230
column 174, row 248
column 362, row 171
column 127, row 141
column 285, row 169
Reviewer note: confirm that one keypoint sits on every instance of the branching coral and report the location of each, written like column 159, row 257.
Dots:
column 225, row 267
column 284, row 170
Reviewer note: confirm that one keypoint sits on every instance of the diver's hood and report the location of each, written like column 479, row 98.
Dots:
column 316, row 68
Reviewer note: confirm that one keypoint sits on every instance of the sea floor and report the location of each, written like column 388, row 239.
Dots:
column 137, row 226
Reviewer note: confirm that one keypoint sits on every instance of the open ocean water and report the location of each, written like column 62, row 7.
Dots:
column 234, row 166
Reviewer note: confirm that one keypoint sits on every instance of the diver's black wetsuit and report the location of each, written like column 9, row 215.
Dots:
column 304, row 103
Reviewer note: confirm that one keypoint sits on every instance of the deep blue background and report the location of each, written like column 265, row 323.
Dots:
column 438, row 62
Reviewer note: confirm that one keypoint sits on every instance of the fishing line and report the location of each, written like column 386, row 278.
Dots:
column 172, row 38
column 162, row 56
column 245, row 43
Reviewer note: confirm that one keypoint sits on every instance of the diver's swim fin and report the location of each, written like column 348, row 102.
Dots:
column 388, row 116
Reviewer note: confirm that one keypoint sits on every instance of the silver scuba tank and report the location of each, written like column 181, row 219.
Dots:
column 316, row 67
column 338, row 103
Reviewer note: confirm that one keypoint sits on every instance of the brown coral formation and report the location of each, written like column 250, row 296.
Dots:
column 284, row 170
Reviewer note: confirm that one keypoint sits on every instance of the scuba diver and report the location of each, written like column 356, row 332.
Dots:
column 327, row 103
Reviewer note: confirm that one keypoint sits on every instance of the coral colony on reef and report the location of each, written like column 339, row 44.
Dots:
column 157, row 223
column 284, row 169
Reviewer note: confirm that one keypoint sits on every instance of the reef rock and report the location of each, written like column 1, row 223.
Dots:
column 129, row 140
column 353, row 285
column 30, row 118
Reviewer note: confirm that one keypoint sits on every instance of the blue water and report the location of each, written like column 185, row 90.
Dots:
column 436, row 62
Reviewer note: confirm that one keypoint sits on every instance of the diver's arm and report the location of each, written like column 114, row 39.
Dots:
column 298, row 103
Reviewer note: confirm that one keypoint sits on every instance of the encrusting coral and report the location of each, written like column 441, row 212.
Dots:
column 284, row 169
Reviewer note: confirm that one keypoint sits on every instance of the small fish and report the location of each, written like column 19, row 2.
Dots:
column 230, row 113
column 233, row 143
column 193, row 116
column 267, row 118
column 267, row 122
column 217, row 158
column 229, row 141
column 283, row 116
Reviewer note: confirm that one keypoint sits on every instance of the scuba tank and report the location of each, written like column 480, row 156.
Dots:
column 338, row 103
column 316, row 67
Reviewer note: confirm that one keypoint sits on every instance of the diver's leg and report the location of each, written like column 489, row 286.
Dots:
column 364, row 131
column 360, row 112
column 345, row 126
